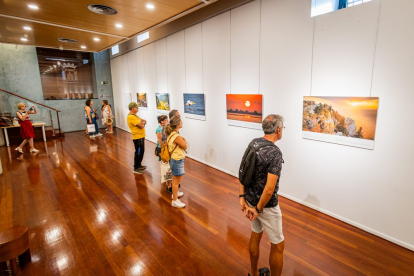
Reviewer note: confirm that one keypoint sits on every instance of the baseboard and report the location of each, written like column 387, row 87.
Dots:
column 367, row 229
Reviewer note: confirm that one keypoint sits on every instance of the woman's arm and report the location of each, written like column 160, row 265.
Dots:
column 159, row 138
column 32, row 112
column 88, row 112
column 22, row 117
column 181, row 142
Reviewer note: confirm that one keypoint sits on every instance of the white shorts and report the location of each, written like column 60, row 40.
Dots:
column 271, row 221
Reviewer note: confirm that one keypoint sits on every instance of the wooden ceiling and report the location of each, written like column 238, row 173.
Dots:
column 72, row 19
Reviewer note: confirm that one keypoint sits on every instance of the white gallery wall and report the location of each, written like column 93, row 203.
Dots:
column 274, row 48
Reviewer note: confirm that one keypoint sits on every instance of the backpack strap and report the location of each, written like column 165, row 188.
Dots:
column 176, row 145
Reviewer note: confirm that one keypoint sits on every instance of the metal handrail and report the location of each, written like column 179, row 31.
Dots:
column 29, row 100
column 57, row 111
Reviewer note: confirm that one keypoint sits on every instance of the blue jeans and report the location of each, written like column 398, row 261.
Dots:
column 96, row 126
column 177, row 167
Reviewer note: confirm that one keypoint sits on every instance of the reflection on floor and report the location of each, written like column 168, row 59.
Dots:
column 89, row 215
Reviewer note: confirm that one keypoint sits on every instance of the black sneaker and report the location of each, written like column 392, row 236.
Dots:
column 168, row 190
column 142, row 168
column 264, row 271
column 138, row 171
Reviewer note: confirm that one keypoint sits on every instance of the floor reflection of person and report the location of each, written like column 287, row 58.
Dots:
column 176, row 146
column 26, row 127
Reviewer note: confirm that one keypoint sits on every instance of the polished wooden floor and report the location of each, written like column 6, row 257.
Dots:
column 88, row 214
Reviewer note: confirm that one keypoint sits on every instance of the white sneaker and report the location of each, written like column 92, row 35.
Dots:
column 177, row 204
column 180, row 194
column 98, row 135
column 91, row 136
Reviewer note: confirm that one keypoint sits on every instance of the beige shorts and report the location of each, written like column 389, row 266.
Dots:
column 271, row 221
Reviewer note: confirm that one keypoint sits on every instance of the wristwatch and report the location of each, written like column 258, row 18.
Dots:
column 258, row 210
column 242, row 195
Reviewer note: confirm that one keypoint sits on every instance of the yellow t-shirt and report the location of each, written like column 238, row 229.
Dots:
column 133, row 120
column 178, row 153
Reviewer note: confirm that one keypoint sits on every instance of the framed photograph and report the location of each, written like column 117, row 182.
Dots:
column 142, row 101
column 194, row 106
column 163, row 103
column 245, row 110
column 349, row 121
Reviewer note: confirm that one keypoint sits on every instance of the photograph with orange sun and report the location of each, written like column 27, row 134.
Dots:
column 244, row 108
column 344, row 118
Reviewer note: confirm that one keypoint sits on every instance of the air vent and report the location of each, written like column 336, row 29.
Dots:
column 102, row 9
column 67, row 40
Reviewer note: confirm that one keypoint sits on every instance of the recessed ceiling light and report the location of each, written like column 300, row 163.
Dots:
column 23, row 39
column 33, row 7
column 118, row 25
column 96, row 39
column 150, row 6
column 83, row 47
column 27, row 28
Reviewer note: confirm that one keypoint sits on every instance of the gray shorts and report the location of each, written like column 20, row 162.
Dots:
column 271, row 221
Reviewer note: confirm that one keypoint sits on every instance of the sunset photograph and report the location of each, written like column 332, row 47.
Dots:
column 353, row 117
column 244, row 107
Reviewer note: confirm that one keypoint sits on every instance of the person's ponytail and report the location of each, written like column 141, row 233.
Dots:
column 168, row 130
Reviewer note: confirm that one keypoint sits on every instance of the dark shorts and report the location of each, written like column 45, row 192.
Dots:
column 177, row 167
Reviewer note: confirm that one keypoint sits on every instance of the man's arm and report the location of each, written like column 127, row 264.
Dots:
column 243, row 203
column 266, row 196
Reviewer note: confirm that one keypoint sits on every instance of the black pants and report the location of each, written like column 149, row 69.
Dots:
column 139, row 152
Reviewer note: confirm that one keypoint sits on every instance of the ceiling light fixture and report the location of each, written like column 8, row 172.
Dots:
column 118, row 25
column 150, row 6
column 27, row 28
column 96, row 39
column 23, row 39
column 83, row 47
column 33, row 7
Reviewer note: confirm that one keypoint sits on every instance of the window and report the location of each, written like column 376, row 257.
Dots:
column 66, row 75
column 143, row 37
column 356, row 2
column 115, row 50
column 325, row 6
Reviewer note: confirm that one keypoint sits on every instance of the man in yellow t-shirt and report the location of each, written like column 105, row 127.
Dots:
column 137, row 127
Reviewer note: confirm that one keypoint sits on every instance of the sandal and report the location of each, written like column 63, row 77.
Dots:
column 19, row 150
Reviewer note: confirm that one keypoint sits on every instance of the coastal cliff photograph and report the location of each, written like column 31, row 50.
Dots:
column 353, row 117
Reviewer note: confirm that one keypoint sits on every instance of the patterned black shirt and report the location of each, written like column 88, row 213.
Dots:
column 269, row 160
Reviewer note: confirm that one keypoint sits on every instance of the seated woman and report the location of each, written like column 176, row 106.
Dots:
column 26, row 127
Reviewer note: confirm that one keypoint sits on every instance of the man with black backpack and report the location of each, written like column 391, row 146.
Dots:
column 259, row 177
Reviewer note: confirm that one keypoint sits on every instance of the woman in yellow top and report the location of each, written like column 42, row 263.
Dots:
column 176, row 146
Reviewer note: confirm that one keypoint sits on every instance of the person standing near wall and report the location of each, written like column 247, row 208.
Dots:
column 176, row 146
column 107, row 113
column 137, row 127
column 166, row 175
column 90, row 115
column 173, row 113
column 259, row 199
column 26, row 127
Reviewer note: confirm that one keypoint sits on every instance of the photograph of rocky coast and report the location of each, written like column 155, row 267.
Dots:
column 353, row 117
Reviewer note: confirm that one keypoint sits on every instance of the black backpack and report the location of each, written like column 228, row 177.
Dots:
column 248, row 162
